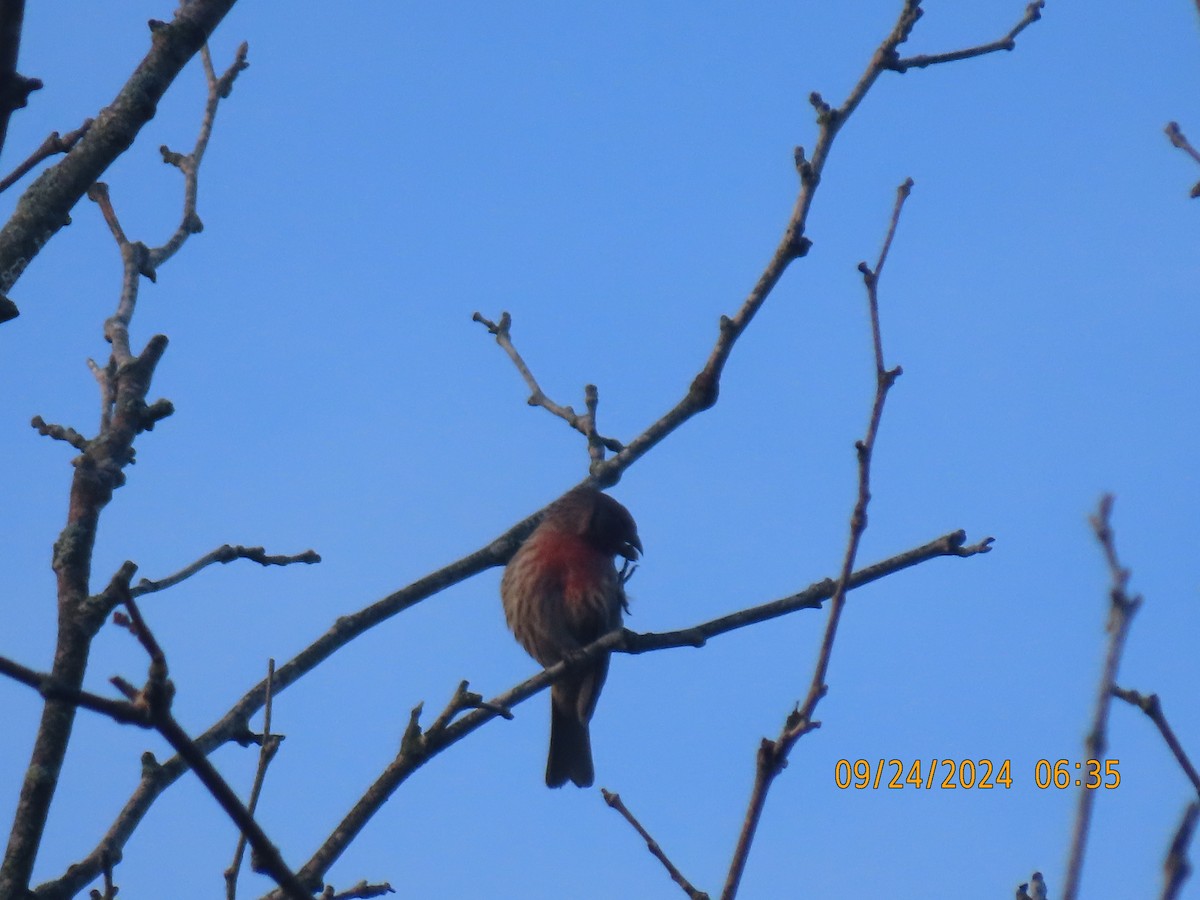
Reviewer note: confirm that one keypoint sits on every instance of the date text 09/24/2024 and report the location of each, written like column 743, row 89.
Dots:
column 979, row 774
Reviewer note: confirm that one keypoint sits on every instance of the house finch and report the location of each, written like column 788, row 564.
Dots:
column 561, row 591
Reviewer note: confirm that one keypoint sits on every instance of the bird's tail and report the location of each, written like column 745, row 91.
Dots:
column 570, row 748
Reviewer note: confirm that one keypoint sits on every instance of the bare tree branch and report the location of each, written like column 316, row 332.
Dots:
column 772, row 755
column 1177, row 139
column 1152, row 707
column 224, row 554
column 110, row 889
column 60, row 433
column 614, row 800
column 232, row 727
column 585, row 425
column 156, row 699
column 419, row 747
column 53, row 144
column 98, row 471
column 794, row 244
column 360, row 891
column 267, row 749
column 45, row 206
column 1120, row 614
column 219, row 88
column 702, row 395
column 1033, row 12
column 1176, row 867
column 14, row 88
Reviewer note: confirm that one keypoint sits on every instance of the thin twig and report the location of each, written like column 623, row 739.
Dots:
column 1152, row 707
column 1176, row 867
column 268, row 747
column 54, row 143
column 1177, row 139
column 1120, row 614
column 268, row 856
column 614, row 801
column 1033, row 12
column 218, row 89
column 60, row 433
column 224, row 554
column 586, row 424
column 360, row 891
column 772, row 755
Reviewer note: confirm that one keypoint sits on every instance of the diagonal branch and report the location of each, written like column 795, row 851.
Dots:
column 53, row 144
column 1177, row 139
column 1176, row 867
column 614, row 801
column 419, row 747
column 705, row 387
column 155, row 699
column 157, row 778
column 772, row 755
column 267, row 749
column 1152, row 707
column 1120, row 614
column 60, row 433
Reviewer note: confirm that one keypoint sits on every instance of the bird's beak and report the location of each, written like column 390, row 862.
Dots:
column 632, row 549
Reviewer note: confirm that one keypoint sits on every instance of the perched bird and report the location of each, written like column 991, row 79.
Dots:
column 561, row 591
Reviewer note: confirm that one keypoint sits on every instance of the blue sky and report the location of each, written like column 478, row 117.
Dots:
column 616, row 177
